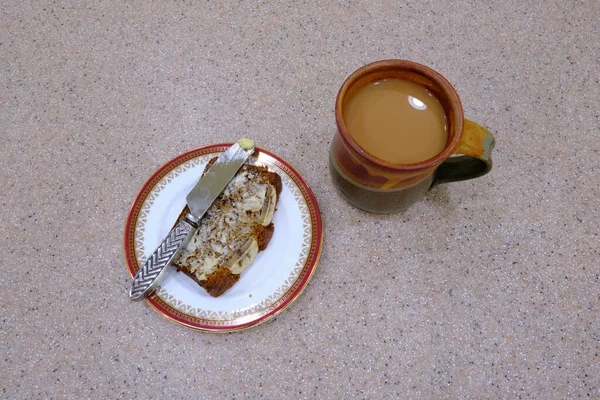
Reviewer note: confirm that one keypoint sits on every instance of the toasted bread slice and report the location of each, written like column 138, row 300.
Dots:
column 234, row 229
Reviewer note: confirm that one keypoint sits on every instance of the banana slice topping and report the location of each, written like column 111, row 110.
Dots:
column 268, row 208
column 243, row 257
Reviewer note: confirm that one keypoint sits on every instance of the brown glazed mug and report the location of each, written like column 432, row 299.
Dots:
column 374, row 185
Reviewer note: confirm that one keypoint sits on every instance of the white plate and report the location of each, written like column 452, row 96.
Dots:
column 275, row 278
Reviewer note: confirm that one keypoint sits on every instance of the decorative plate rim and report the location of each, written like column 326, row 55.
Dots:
column 278, row 305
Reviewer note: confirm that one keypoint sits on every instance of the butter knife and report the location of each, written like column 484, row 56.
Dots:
column 199, row 200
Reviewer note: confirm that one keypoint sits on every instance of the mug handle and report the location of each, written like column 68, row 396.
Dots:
column 476, row 145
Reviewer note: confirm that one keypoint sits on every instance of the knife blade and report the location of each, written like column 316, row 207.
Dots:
column 199, row 200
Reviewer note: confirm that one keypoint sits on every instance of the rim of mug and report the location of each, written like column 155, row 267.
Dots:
column 425, row 71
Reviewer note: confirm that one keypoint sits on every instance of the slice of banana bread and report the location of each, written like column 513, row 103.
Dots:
column 234, row 229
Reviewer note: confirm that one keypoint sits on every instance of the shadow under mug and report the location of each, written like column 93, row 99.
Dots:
column 374, row 185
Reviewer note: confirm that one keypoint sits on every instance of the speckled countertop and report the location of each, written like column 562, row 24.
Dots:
column 485, row 289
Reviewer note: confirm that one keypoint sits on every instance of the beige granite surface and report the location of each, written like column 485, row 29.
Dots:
column 485, row 289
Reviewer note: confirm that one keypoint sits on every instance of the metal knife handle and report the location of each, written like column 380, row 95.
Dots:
column 150, row 275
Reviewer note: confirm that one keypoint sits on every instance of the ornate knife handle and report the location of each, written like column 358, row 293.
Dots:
column 150, row 275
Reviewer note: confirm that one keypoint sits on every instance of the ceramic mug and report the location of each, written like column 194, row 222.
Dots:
column 374, row 185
